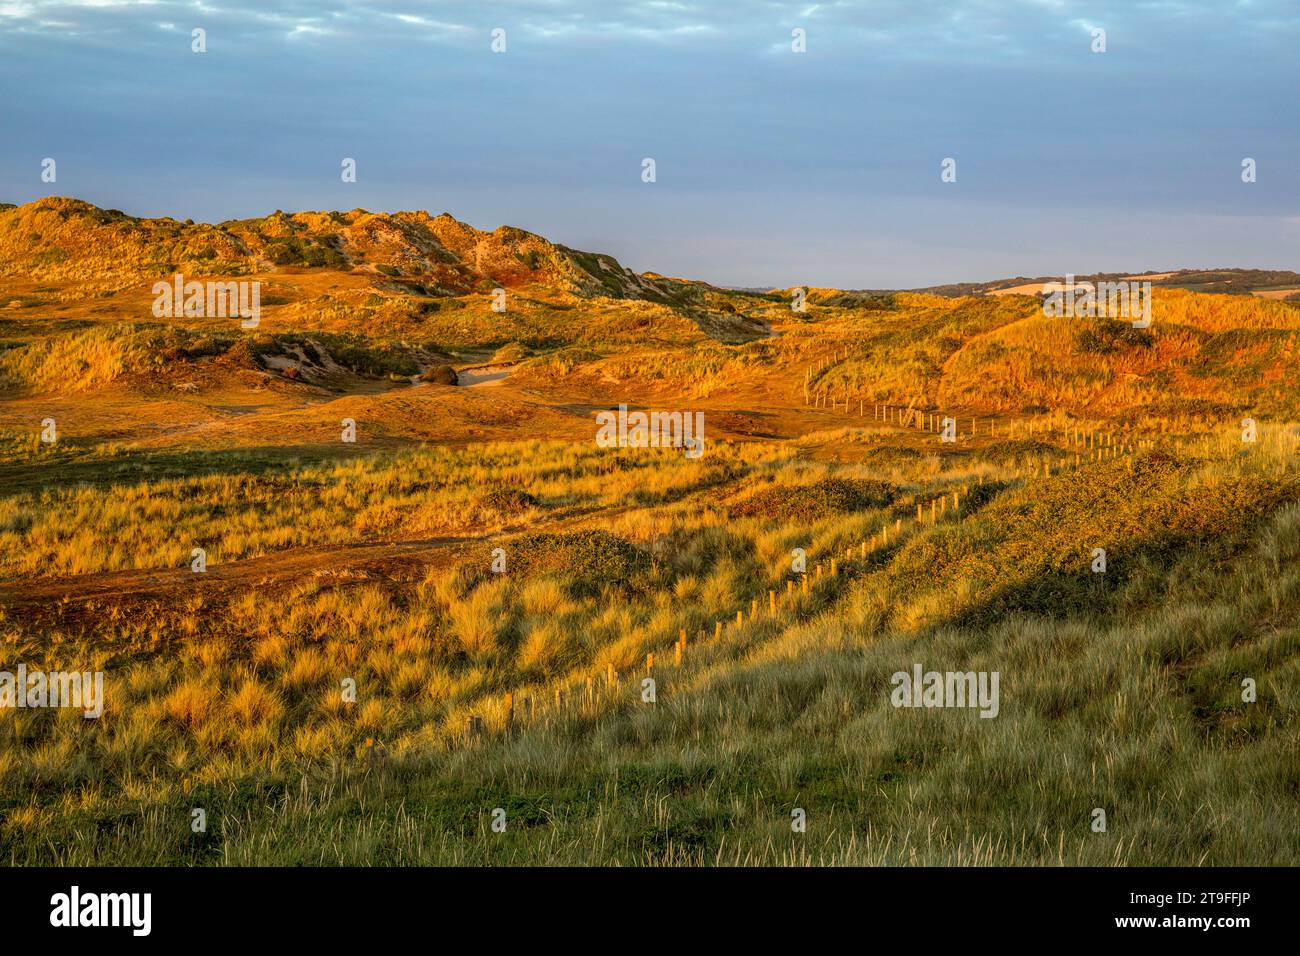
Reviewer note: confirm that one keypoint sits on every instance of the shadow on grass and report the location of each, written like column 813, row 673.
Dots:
column 136, row 466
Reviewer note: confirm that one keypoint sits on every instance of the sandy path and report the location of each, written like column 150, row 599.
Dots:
column 267, row 570
column 384, row 559
column 482, row 375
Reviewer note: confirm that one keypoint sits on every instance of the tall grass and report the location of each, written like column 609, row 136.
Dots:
column 1121, row 692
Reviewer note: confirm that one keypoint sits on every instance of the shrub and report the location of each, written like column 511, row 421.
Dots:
column 439, row 375
column 1107, row 336
column 809, row 502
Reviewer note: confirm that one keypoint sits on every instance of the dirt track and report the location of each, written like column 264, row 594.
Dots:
column 389, row 558
column 341, row 562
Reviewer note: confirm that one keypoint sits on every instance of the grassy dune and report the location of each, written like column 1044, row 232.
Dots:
column 377, row 563
column 1120, row 691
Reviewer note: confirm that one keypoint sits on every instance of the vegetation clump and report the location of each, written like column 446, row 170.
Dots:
column 592, row 558
column 1108, row 336
column 439, row 375
column 507, row 501
column 817, row 500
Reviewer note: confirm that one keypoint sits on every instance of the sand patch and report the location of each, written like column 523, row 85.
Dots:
column 482, row 375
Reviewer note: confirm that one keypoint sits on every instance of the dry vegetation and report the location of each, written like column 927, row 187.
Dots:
column 373, row 562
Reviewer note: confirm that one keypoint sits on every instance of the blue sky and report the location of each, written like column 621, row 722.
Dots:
column 773, row 168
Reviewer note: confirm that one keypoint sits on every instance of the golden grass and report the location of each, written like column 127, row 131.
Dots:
column 373, row 567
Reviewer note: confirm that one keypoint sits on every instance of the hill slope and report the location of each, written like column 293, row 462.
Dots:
column 57, row 239
column 350, row 470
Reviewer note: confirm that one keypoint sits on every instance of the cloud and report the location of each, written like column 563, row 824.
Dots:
column 554, row 131
column 914, row 27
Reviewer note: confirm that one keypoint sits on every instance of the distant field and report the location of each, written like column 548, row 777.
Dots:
column 1036, row 288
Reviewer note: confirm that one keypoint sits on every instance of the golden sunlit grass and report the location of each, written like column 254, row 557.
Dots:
column 1205, row 566
column 351, row 682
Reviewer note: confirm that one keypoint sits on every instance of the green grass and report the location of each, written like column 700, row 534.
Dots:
column 1121, row 693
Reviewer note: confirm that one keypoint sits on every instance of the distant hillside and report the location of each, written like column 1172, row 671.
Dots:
column 404, row 295
column 1266, row 283
column 59, row 239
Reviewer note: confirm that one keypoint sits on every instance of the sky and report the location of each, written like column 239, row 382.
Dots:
column 772, row 167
